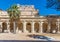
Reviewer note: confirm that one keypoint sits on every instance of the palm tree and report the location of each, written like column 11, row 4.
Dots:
column 14, row 14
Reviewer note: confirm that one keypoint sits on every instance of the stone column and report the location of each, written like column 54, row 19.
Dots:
column 0, row 26
column 24, row 27
column 58, row 26
column 57, row 23
column 49, row 27
column 41, row 27
column 32, row 27
column 8, row 29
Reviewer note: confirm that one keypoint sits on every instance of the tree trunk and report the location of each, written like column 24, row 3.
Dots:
column 14, row 27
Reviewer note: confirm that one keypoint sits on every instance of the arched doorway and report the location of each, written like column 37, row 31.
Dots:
column 53, row 27
column 20, row 27
column 4, row 26
column 45, row 27
column 36, row 27
column 11, row 27
column 28, row 27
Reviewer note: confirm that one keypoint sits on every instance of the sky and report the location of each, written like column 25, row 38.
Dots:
column 39, row 4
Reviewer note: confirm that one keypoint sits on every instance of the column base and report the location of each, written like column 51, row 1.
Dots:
column 19, row 31
column 40, row 32
column 8, row 31
column 33, row 32
column 5, row 31
column 25, row 31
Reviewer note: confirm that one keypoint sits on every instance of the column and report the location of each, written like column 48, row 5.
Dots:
column 48, row 30
column 0, row 26
column 24, row 27
column 8, row 29
column 58, row 26
column 40, row 27
column 32, row 27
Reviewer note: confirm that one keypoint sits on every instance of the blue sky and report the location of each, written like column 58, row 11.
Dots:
column 39, row 4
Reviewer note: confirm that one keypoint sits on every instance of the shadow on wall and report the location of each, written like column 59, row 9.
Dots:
column 41, row 37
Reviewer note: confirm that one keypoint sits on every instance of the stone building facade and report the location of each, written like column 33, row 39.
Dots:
column 30, row 21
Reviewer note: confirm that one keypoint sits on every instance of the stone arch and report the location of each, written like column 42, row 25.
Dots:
column 28, row 27
column 45, row 27
column 20, row 27
column 53, row 27
column 4, row 26
column 36, row 27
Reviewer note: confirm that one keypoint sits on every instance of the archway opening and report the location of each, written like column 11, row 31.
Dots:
column 36, row 27
column 53, row 27
column 28, row 27
column 20, row 27
column 45, row 27
column 4, row 26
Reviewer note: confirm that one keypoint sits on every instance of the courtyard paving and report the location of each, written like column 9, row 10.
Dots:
column 24, row 36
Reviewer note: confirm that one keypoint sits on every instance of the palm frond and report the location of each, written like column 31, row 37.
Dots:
column 13, row 12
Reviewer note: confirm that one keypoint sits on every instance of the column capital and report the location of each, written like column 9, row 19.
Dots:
column 32, row 22
column 24, row 22
column 41, row 22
